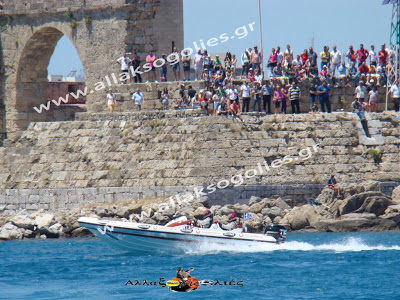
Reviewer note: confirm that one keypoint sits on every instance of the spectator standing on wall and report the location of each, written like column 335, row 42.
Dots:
column 313, row 55
column 245, row 88
column 124, row 62
column 323, row 92
column 136, row 64
column 351, row 56
column 395, row 95
column 256, row 58
column 325, row 56
column 294, row 97
column 284, row 100
column 206, row 65
column 279, row 56
column 176, row 68
column 163, row 70
column 191, row 93
column 373, row 57
column 245, row 63
column 186, row 65
column 138, row 99
column 373, row 99
column 277, row 98
column 111, row 103
column 150, row 61
column 362, row 55
column 232, row 94
column 383, row 55
column 266, row 92
column 361, row 92
column 313, row 95
column 198, row 64
column 336, row 58
column 257, row 92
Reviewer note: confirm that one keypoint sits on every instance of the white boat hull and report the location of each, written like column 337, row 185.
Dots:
column 141, row 237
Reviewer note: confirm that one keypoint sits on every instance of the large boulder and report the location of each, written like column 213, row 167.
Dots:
column 255, row 224
column 23, row 221
column 254, row 200
column 44, row 220
column 396, row 195
column 355, row 202
column 375, row 205
column 11, row 232
column 81, row 232
column 272, row 212
column 303, row 216
column 53, row 231
column 356, row 224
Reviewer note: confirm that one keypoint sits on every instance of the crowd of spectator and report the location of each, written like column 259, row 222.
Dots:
column 273, row 88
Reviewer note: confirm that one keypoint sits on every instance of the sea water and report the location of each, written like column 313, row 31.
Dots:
column 307, row 266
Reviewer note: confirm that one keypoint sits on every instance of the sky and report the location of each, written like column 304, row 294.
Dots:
column 294, row 22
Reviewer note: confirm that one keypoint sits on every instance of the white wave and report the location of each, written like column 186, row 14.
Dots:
column 350, row 244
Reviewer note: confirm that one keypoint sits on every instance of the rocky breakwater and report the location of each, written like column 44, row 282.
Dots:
column 362, row 207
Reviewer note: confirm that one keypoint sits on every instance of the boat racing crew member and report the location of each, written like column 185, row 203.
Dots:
column 207, row 219
column 231, row 222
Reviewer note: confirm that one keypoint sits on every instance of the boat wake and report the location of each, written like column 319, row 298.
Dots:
column 351, row 244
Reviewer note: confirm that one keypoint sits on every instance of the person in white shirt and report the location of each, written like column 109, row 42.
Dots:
column 232, row 94
column 336, row 58
column 279, row 55
column 124, row 62
column 395, row 95
column 111, row 100
column 245, row 88
column 198, row 64
column 137, row 99
column 361, row 91
column 373, row 57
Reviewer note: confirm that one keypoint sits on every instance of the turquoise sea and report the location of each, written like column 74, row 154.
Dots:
column 308, row 266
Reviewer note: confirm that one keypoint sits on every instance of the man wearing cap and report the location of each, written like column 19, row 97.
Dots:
column 111, row 100
column 255, row 58
column 198, row 64
column 137, row 99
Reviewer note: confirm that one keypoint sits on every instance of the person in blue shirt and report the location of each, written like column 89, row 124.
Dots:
column 353, row 73
column 323, row 92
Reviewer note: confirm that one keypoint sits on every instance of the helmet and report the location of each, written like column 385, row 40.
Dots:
column 232, row 217
column 207, row 213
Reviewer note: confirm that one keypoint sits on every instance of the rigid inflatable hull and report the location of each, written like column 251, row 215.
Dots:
column 157, row 238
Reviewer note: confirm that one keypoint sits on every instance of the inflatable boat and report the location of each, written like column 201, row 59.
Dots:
column 178, row 233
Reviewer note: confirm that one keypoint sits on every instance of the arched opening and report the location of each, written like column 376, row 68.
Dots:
column 34, row 92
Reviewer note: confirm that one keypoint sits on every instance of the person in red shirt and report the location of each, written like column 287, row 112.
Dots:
column 304, row 56
column 362, row 55
column 363, row 69
column 351, row 55
column 234, row 110
column 382, row 56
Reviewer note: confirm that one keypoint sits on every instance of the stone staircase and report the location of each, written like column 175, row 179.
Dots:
column 151, row 92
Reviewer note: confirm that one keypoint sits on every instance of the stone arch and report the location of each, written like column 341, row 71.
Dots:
column 31, row 79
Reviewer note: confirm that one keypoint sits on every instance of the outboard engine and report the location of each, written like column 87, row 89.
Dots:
column 277, row 231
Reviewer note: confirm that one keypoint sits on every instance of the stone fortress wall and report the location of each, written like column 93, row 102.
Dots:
column 103, row 157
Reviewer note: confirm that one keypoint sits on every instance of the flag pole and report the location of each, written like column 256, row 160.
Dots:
column 261, row 36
